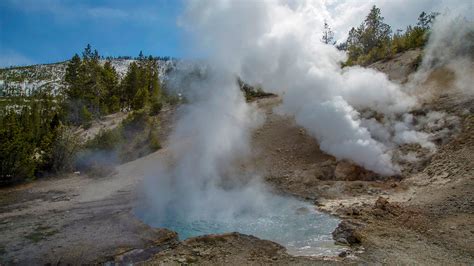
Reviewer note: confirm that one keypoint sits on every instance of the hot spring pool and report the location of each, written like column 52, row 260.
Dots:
column 290, row 222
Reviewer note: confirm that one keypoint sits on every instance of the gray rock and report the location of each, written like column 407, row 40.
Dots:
column 346, row 234
column 343, row 254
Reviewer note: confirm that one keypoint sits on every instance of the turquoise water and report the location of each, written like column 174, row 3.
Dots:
column 292, row 223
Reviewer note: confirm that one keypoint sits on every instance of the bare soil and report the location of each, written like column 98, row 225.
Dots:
column 76, row 219
column 400, row 66
column 422, row 218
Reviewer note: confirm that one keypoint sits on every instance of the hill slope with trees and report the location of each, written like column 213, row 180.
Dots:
column 373, row 40
column 38, row 129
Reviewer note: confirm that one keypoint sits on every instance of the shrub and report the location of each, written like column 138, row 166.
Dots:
column 372, row 41
column 141, row 99
column 153, row 140
column 114, row 104
column 156, row 107
column 16, row 156
column 173, row 99
column 136, row 121
column 86, row 117
column 106, row 140
column 136, row 136
column 64, row 150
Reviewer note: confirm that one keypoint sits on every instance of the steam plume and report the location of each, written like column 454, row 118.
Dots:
column 451, row 45
column 273, row 44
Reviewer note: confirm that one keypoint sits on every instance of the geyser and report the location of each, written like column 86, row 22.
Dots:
column 274, row 44
column 201, row 188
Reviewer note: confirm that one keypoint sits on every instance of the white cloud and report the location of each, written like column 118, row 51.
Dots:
column 77, row 10
column 13, row 58
column 345, row 14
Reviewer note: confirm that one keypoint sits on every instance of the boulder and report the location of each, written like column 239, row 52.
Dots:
column 346, row 234
column 383, row 207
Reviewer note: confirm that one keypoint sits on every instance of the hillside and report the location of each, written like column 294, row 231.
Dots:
column 26, row 79
column 400, row 66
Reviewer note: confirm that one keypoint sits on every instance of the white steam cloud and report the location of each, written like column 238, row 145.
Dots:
column 200, row 180
column 451, row 45
column 276, row 45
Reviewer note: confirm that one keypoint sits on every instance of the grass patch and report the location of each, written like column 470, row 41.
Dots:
column 40, row 233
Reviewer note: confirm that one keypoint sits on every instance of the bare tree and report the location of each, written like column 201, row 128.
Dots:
column 328, row 34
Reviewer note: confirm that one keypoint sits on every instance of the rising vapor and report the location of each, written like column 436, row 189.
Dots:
column 275, row 45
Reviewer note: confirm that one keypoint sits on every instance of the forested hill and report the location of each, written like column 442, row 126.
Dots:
column 24, row 80
column 43, row 108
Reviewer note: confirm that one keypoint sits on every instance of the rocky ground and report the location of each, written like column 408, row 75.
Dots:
column 400, row 66
column 231, row 249
column 423, row 216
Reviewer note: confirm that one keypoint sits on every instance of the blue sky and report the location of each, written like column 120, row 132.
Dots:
column 44, row 31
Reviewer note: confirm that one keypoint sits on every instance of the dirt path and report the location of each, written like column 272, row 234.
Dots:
column 76, row 219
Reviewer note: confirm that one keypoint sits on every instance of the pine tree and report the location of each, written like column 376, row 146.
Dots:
column 354, row 45
column 95, row 55
column 141, row 99
column 155, row 98
column 328, row 34
column 87, row 54
column 141, row 85
column 114, row 104
column 110, row 97
column 16, row 150
column 86, row 117
column 85, row 87
column 370, row 41
column 35, row 120
column 426, row 20
column 74, row 91
column 72, row 77
column 92, row 85
column 130, row 84
column 374, row 31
